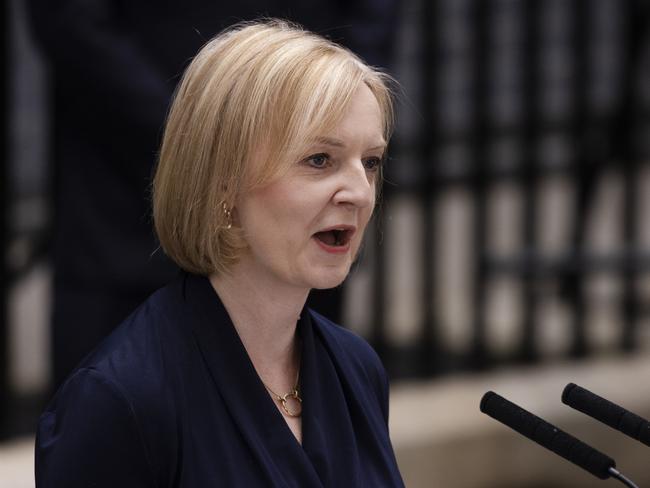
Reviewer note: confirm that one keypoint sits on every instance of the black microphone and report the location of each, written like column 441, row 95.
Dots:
column 607, row 412
column 547, row 435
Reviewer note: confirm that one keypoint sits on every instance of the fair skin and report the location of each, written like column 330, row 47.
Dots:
column 292, row 249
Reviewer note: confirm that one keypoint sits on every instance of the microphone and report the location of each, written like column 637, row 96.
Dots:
column 550, row 437
column 607, row 412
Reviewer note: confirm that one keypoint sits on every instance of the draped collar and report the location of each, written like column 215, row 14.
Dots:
column 323, row 459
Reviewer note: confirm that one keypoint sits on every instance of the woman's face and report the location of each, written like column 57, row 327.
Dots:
column 305, row 228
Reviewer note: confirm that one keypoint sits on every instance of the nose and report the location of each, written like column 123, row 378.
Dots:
column 356, row 186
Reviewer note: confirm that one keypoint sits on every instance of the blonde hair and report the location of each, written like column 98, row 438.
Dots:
column 259, row 86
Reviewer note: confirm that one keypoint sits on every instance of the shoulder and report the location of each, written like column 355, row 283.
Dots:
column 130, row 347
column 144, row 357
column 89, row 428
column 123, row 391
column 139, row 347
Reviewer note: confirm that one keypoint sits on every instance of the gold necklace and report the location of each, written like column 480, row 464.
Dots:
column 294, row 395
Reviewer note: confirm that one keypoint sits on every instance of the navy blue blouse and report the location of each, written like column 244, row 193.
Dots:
column 171, row 399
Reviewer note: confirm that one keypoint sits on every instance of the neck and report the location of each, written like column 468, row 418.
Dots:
column 265, row 316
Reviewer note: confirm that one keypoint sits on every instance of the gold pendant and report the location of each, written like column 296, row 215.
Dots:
column 292, row 395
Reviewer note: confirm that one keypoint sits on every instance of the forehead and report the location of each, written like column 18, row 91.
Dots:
column 361, row 122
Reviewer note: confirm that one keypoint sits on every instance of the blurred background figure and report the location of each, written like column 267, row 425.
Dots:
column 514, row 231
column 114, row 66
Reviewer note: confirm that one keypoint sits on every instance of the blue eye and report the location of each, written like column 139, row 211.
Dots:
column 318, row 160
column 372, row 164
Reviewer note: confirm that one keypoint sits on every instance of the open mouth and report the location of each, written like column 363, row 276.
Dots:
column 335, row 237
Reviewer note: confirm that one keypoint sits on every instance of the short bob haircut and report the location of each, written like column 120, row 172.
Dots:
column 265, row 86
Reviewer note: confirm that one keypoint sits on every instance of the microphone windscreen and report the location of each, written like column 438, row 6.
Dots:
column 607, row 412
column 547, row 435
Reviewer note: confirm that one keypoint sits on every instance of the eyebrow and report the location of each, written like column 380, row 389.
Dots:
column 338, row 143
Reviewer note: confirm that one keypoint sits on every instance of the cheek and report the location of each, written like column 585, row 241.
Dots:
column 257, row 220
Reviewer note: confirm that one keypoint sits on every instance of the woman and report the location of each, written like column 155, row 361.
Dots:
column 268, row 175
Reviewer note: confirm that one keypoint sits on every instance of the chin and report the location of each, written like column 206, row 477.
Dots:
column 329, row 278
